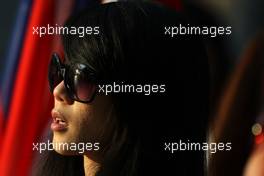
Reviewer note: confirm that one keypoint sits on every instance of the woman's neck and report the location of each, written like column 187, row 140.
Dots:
column 90, row 166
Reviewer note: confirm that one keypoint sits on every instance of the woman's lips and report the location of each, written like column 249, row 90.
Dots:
column 59, row 123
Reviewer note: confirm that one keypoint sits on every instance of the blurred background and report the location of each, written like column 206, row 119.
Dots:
column 236, row 70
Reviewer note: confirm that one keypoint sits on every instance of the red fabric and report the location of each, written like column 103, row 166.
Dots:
column 259, row 138
column 31, row 102
column 63, row 11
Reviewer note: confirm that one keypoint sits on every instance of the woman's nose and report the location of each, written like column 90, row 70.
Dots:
column 60, row 94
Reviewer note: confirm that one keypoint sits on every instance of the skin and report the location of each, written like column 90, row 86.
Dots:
column 87, row 123
column 254, row 166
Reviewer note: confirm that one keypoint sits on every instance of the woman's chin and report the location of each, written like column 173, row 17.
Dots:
column 62, row 146
column 66, row 152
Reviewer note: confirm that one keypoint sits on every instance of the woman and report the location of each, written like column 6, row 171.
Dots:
column 131, row 127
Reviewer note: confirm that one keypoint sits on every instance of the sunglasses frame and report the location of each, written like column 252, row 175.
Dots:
column 63, row 75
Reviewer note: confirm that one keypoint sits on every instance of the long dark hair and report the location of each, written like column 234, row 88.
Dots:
column 132, row 47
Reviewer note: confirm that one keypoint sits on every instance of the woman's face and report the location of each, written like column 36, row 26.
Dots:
column 75, row 122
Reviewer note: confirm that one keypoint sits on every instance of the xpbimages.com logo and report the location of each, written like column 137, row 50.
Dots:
column 81, row 31
column 80, row 147
column 145, row 89
column 181, row 145
column 212, row 31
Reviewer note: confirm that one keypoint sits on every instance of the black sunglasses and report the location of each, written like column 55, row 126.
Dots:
column 78, row 80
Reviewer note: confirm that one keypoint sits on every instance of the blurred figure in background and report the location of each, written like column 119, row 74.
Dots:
column 240, row 106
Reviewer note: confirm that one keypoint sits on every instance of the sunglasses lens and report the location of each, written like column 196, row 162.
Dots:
column 80, row 85
column 84, row 88
column 55, row 76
